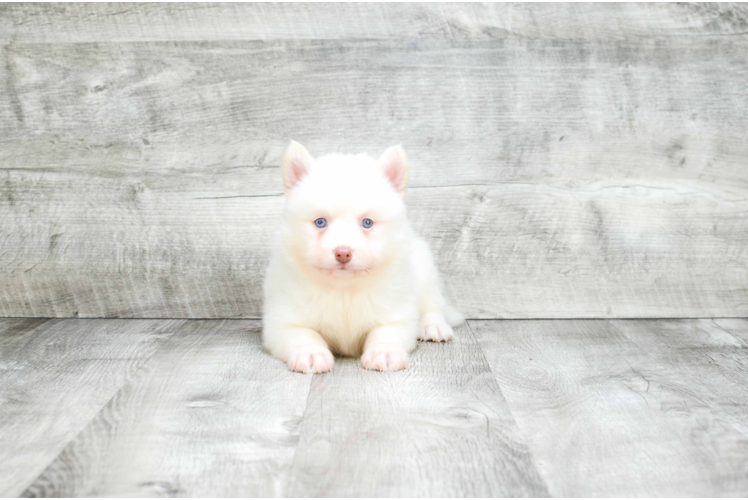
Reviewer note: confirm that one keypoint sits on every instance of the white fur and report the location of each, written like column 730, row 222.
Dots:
column 377, row 305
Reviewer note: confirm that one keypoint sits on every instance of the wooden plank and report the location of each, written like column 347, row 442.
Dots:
column 439, row 428
column 595, row 21
column 737, row 327
column 11, row 328
column 140, row 179
column 538, row 112
column 707, row 355
column 605, row 417
column 504, row 251
column 210, row 414
column 55, row 376
column 117, row 22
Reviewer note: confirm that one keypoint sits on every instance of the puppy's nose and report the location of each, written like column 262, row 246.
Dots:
column 343, row 254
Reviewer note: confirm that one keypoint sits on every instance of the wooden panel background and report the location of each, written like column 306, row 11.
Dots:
column 568, row 160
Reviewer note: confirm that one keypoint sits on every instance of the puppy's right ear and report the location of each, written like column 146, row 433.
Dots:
column 295, row 165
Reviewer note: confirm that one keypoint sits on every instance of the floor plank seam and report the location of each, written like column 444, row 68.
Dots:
column 660, row 365
column 287, row 486
column 95, row 415
column 509, row 406
column 725, row 329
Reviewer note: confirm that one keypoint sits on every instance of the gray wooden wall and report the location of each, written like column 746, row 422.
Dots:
column 582, row 160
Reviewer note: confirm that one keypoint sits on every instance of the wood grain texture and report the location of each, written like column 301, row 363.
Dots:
column 10, row 328
column 605, row 417
column 563, row 113
column 441, row 428
column 118, row 22
column 736, row 327
column 568, row 161
column 511, row 251
column 567, row 408
column 211, row 414
column 708, row 356
column 54, row 377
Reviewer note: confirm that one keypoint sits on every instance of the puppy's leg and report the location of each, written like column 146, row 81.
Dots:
column 387, row 347
column 436, row 314
column 303, row 349
column 434, row 328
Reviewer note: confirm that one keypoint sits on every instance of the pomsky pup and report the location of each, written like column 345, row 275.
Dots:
column 347, row 275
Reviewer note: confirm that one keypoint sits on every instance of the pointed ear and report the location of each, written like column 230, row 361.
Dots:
column 394, row 165
column 295, row 165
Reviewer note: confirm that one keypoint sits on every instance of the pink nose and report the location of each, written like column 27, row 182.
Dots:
column 343, row 254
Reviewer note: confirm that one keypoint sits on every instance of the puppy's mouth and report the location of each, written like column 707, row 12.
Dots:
column 343, row 270
column 346, row 268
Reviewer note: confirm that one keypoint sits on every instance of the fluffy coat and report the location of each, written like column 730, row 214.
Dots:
column 336, row 286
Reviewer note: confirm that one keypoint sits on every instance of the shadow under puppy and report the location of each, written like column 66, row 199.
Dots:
column 347, row 275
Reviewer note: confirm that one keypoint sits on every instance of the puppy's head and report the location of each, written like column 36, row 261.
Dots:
column 344, row 214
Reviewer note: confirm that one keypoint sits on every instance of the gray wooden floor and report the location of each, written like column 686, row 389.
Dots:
column 124, row 407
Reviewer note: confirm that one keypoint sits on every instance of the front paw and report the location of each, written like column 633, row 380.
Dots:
column 384, row 357
column 435, row 328
column 311, row 358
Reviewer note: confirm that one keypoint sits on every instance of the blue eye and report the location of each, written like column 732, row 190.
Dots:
column 367, row 223
column 320, row 222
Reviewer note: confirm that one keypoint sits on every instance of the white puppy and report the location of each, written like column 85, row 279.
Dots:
column 347, row 274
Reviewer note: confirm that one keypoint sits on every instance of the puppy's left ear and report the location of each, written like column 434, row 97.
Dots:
column 394, row 165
